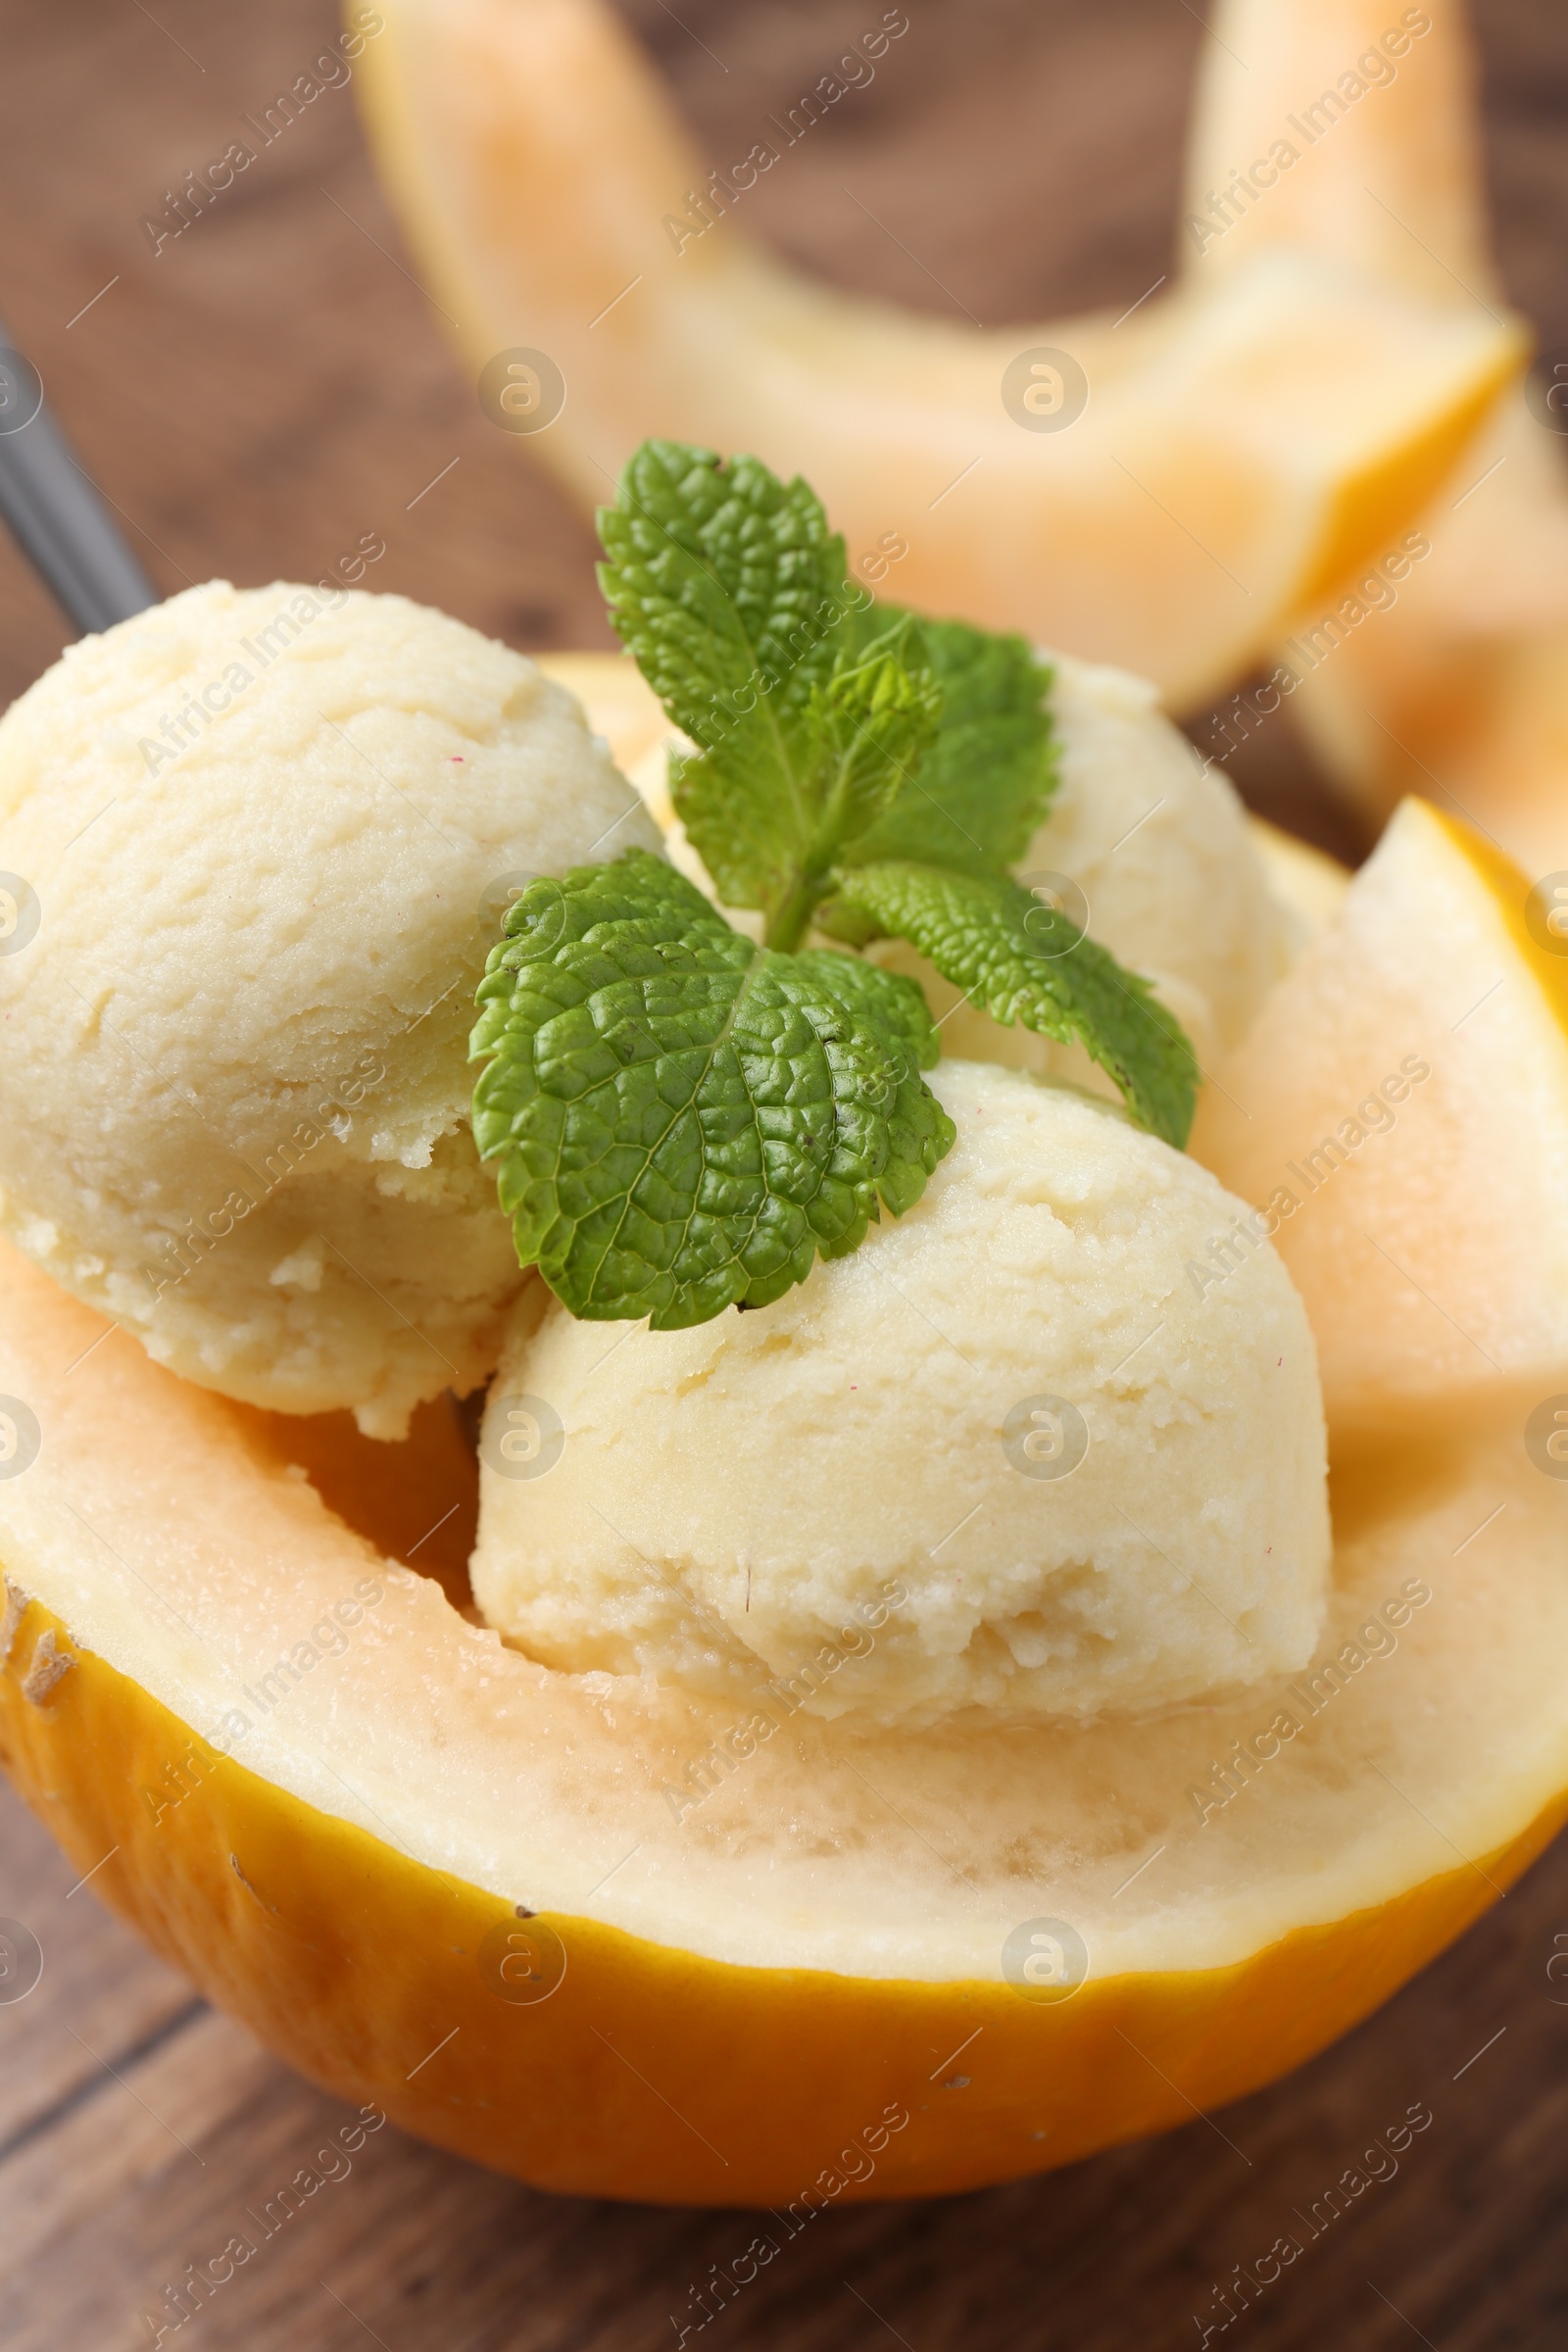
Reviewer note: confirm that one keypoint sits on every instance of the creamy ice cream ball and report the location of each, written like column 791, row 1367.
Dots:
column 262, row 841
column 1158, row 846
column 1029, row 1449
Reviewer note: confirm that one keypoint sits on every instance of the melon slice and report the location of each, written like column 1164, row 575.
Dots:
column 1400, row 1111
column 1461, row 688
column 560, row 1924
column 1386, row 171
column 1238, row 450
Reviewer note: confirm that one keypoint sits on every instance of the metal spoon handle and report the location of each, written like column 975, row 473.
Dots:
column 55, row 515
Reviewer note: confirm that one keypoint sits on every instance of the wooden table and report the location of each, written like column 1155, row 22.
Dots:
column 253, row 400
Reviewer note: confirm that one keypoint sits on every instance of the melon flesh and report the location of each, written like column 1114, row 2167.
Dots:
column 1401, row 158
column 196, row 1563
column 1239, row 445
column 1461, row 683
column 1306, row 883
column 1424, row 1218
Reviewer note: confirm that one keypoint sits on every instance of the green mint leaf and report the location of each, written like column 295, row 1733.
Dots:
column 683, row 1121
column 875, row 717
column 985, row 783
column 868, row 726
column 730, row 589
column 916, row 1121
column 1027, row 962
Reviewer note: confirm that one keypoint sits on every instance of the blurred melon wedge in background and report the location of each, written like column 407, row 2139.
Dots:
column 1239, row 448
column 1400, row 1112
column 1461, row 688
column 1389, row 179
column 433, row 1873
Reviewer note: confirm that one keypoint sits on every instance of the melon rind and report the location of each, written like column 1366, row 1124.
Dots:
column 643, row 2076
column 795, row 1946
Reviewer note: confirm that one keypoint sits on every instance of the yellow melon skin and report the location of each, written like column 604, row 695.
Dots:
column 649, row 2073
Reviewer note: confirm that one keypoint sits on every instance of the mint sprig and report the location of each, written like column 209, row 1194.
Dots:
column 866, row 728
column 987, row 780
column 683, row 1121
column 1026, row 961
column 826, row 792
column 728, row 588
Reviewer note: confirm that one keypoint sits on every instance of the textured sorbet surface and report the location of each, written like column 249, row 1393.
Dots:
column 269, row 837
column 1014, row 1453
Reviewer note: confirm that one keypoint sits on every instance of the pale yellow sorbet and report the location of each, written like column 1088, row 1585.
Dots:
column 262, row 841
column 1022, row 1452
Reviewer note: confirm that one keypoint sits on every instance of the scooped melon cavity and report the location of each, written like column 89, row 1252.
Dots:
column 1011, row 1455
column 269, row 836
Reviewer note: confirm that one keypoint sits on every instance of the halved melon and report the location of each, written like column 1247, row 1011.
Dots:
column 557, row 1923
column 1461, row 688
column 1239, row 448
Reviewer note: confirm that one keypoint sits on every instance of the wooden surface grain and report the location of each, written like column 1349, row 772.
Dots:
column 253, row 400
